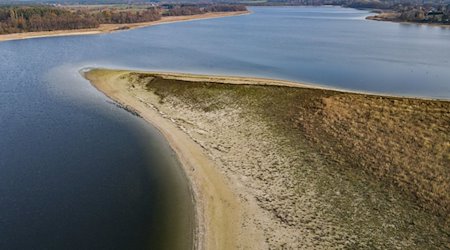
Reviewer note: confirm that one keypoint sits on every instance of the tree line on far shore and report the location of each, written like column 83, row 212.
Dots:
column 183, row 10
column 425, row 14
column 17, row 19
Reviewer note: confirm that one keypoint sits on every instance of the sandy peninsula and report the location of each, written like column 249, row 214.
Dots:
column 281, row 165
column 108, row 28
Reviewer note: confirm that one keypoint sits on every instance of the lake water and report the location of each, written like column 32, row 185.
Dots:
column 76, row 172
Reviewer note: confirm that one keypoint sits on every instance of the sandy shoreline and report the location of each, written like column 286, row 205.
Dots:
column 219, row 212
column 216, row 207
column 248, row 191
column 108, row 28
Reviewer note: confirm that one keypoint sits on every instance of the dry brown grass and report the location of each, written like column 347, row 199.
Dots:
column 374, row 168
column 403, row 141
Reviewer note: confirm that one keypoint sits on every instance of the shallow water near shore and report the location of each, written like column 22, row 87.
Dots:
column 78, row 172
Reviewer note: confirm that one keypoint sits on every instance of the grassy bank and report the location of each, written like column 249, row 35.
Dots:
column 324, row 168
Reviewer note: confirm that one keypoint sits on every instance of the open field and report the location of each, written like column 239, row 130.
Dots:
column 301, row 167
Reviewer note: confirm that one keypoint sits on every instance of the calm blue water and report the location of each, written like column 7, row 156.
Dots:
column 329, row 46
column 76, row 172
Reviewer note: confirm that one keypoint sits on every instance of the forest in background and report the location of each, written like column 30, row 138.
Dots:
column 16, row 19
column 46, row 15
column 421, row 14
column 351, row 3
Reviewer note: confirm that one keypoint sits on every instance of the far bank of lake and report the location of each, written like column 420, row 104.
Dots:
column 108, row 28
column 393, row 16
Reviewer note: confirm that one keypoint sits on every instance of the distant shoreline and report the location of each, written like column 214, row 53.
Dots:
column 109, row 28
column 393, row 17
